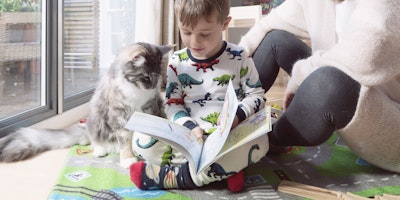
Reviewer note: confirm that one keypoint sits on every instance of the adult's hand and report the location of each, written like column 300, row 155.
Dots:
column 287, row 99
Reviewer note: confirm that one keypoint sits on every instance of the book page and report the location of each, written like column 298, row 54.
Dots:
column 248, row 130
column 172, row 133
column 215, row 141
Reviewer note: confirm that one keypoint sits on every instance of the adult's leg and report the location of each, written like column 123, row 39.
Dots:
column 325, row 102
column 278, row 49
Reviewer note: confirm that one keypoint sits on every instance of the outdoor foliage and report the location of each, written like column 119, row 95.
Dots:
column 19, row 5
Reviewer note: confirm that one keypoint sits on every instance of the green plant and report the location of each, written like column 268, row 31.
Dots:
column 19, row 5
column 10, row 5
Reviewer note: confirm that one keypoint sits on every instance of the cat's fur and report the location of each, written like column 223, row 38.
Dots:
column 132, row 83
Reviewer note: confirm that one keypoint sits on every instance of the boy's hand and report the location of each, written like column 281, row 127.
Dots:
column 234, row 123
column 198, row 133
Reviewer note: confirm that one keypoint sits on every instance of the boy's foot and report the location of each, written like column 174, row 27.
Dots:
column 236, row 182
column 153, row 177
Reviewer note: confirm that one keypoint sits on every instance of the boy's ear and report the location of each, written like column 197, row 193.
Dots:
column 226, row 22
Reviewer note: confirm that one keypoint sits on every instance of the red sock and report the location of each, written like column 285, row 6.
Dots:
column 236, row 182
column 136, row 170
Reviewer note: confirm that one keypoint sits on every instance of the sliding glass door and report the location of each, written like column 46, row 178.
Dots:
column 52, row 53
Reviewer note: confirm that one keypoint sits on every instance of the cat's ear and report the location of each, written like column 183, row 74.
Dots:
column 166, row 49
column 139, row 60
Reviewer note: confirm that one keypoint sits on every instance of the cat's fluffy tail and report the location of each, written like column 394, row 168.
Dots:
column 26, row 143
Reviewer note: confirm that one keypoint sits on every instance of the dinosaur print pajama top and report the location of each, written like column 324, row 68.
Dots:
column 196, row 89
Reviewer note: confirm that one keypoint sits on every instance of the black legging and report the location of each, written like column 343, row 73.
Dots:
column 324, row 102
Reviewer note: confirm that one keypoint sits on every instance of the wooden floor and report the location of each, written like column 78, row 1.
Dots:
column 31, row 179
column 34, row 179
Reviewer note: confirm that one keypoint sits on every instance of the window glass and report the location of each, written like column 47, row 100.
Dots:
column 21, row 57
column 81, row 31
column 94, row 30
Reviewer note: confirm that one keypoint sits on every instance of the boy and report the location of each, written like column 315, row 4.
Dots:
column 197, row 79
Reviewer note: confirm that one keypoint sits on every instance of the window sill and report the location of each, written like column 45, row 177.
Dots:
column 65, row 119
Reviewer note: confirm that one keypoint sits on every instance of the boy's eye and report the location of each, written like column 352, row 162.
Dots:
column 204, row 35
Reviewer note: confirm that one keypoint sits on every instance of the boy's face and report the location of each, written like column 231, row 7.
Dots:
column 205, row 39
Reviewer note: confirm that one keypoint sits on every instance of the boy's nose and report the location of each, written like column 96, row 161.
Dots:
column 194, row 39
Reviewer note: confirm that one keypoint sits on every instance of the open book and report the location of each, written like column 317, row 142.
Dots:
column 223, row 140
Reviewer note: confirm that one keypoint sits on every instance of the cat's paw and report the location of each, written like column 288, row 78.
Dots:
column 99, row 152
column 127, row 162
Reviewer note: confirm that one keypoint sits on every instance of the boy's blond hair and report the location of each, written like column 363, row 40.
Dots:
column 189, row 12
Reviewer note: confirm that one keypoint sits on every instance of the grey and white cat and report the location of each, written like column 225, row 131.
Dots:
column 132, row 83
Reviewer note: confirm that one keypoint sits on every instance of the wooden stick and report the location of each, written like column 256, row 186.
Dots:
column 351, row 196
column 313, row 192
column 308, row 191
column 387, row 197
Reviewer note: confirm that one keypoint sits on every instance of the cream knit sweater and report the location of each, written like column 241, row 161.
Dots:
column 369, row 52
